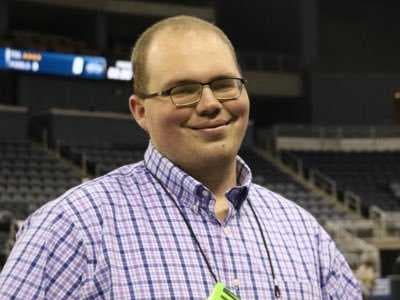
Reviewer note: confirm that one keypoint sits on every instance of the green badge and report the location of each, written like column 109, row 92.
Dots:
column 220, row 292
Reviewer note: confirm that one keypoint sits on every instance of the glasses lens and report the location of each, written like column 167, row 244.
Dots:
column 186, row 94
column 225, row 89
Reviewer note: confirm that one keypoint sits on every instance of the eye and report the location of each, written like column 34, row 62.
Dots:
column 222, row 85
column 185, row 90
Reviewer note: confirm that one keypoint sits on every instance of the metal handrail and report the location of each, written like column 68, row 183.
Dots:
column 352, row 201
column 317, row 177
column 350, row 241
column 337, row 131
column 377, row 215
column 385, row 219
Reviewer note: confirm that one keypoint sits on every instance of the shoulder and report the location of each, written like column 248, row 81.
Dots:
column 282, row 209
column 83, row 207
column 62, row 239
column 98, row 191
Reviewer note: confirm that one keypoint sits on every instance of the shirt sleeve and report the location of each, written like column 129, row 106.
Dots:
column 337, row 279
column 47, row 261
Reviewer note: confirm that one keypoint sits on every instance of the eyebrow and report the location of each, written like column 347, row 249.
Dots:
column 176, row 82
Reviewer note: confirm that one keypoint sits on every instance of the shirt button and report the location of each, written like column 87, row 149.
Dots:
column 227, row 231
column 204, row 193
column 236, row 282
column 195, row 207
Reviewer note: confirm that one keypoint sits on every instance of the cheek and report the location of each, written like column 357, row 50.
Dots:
column 166, row 122
column 239, row 108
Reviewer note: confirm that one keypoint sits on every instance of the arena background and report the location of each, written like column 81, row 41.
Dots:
column 324, row 80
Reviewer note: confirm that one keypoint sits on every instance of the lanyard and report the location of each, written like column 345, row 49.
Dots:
column 277, row 290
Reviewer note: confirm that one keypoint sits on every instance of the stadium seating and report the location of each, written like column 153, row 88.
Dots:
column 78, row 127
column 15, row 117
column 101, row 159
column 371, row 175
column 30, row 176
column 265, row 173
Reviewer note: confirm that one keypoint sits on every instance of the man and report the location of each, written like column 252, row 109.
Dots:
column 187, row 221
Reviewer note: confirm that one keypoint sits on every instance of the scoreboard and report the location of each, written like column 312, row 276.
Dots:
column 62, row 64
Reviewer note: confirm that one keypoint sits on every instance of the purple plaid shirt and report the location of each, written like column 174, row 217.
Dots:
column 121, row 236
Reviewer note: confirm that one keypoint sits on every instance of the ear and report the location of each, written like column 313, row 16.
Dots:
column 138, row 111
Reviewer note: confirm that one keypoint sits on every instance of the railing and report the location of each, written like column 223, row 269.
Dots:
column 333, row 138
column 337, row 131
column 389, row 222
column 351, row 244
column 292, row 161
column 323, row 182
column 352, row 201
column 338, row 138
column 361, row 228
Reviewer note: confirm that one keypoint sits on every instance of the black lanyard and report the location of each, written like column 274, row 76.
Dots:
column 277, row 290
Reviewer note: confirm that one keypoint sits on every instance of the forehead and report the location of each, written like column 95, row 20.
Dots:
column 188, row 54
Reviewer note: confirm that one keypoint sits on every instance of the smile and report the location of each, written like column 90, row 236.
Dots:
column 211, row 126
column 212, row 132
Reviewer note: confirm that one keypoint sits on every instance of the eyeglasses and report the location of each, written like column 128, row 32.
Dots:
column 190, row 93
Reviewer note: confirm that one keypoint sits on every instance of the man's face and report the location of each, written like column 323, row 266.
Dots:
column 208, row 132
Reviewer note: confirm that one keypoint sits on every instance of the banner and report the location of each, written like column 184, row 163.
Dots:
column 52, row 63
column 120, row 70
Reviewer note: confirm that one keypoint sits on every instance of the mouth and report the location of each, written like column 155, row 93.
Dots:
column 212, row 126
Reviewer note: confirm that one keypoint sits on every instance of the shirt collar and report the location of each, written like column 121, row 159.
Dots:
column 189, row 191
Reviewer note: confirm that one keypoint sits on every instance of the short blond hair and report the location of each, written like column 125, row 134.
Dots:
column 178, row 23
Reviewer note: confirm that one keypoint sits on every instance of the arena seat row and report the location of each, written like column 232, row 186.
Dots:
column 105, row 158
column 368, row 174
column 265, row 173
column 31, row 177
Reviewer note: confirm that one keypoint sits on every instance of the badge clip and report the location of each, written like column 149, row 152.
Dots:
column 220, row 292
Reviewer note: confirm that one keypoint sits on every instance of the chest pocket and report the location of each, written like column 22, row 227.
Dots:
column 299, row 290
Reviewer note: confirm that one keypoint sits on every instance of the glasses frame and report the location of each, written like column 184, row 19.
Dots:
column 167, row 92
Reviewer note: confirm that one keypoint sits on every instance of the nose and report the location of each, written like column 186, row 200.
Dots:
column 208, row 104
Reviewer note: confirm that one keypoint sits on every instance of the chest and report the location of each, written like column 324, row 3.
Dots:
column 154, row 256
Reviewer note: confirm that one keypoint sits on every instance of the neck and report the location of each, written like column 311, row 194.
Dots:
column 218, row 177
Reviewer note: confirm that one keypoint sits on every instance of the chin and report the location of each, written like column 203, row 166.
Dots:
column 217, row 151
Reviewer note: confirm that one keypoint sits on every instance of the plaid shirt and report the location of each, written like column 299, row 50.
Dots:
column 120, row 236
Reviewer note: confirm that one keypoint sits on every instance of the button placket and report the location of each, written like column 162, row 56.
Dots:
column 236, row 283
column 227, row 231
column 195, row 207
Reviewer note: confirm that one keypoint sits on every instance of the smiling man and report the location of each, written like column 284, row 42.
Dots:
column 187, row 62
column 186, row 222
